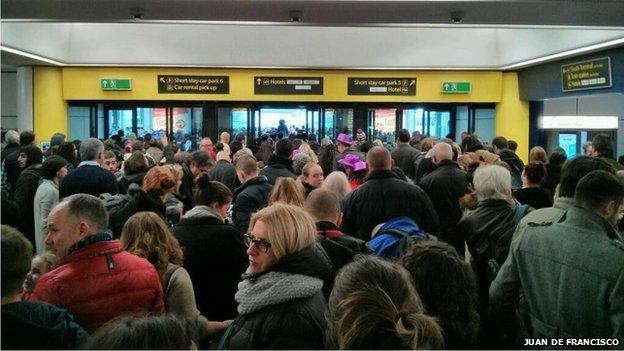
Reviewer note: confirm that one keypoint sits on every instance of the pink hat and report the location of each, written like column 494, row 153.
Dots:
column 345, row 139
column 353, row 161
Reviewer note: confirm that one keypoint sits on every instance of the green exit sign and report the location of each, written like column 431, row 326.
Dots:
column 456, row 87
column 116, row 84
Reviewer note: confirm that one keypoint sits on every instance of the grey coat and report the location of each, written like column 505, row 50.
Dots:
column 571, row 274
column 46, row 197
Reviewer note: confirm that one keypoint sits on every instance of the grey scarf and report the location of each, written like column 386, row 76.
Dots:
column 273, row 288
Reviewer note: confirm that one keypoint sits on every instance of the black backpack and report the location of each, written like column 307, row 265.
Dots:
column 120, row 207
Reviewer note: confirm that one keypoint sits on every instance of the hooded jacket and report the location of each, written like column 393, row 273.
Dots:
column 278, row 166
column 283, row 307
column 214, row 256
column 249, row 198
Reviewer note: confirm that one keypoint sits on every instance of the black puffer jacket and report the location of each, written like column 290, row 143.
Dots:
column 249, row 198
column 209, row 242
column 382, row 197
column 269, row 319
column 279, row 166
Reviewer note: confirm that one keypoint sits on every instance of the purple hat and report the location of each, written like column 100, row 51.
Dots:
column 345, row 139
column 353, row 161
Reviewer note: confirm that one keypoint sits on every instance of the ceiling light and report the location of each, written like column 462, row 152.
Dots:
column 32, row 56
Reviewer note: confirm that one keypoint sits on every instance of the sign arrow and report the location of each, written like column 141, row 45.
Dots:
column 162, row 80
column 259, row 81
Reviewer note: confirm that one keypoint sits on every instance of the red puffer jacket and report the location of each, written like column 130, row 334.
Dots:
column 100, row 282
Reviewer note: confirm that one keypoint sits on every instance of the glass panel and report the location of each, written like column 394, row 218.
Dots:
column 439, row 123
column 294, row 120
column 101, row 121
column 461, row 122
column 79, row 122
column 151, row 120
column 413, row 120
column 232, row 120
column 119, row 119
column 187, row 126
column 484, row 124
column 383, row 124
column 567, row 141
column 338, row 120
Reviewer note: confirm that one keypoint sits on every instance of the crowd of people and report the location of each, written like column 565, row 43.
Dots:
column 299, row 243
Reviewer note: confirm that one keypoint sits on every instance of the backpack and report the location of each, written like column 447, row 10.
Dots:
column 120, row 207
column 500, row 241
column 396, row 237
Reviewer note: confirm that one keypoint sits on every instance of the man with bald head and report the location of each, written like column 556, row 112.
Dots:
column 445, row 185
column 384, row 196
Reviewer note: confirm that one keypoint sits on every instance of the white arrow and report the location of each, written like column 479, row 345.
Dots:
column 162, row 80
column 104, row 83
column 259, row 81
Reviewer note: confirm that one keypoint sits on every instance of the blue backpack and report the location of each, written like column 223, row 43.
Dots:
column 396, row 236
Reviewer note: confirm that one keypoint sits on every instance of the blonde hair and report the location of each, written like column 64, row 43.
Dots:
column 307, row 150
column 291, row 228
column 338, row 183
column 288, row 191
column 49, row 258
column 175, row 169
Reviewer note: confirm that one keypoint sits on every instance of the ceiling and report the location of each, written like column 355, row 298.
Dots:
column 331, row 34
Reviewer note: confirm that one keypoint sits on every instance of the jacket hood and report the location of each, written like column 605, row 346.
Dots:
column 201, row 211
column 135, row 178
column 275, row 160
column 256, row 180
column 312, row 261
column 143, row 198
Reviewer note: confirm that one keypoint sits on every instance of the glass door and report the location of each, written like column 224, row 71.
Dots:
column 414, row 120
column 382, row 124
column 336, row 121
column 121, row 119
column 438, row 123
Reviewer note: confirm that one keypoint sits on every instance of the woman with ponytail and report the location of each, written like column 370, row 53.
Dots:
column 214, row 252
column 374, row 306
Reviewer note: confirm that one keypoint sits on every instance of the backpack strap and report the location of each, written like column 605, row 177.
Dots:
column 519, row 212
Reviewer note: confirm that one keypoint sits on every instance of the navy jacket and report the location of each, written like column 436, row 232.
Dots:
column 88, row 179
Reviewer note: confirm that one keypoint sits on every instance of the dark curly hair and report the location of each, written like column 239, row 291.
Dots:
column 535, row 172
column 447, row 286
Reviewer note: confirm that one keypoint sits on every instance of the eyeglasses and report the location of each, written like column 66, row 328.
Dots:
column 261, row 244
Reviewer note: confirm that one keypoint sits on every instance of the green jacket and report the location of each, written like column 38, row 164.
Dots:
column 545, row 215
column 571, row 274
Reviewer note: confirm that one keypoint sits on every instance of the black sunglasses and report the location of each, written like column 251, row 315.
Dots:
column 261, row 244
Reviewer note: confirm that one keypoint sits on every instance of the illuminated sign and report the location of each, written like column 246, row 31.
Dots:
column 579, row 122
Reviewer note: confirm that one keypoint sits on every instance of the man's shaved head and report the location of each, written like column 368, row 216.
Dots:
column 379, row 158
column 441, row 152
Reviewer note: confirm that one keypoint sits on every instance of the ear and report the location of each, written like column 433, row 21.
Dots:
column 339, row 220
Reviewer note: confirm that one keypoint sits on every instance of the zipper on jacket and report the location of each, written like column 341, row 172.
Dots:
column 109, row 262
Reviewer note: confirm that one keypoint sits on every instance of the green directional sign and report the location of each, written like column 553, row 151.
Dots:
column 116, row 84
column 455, row 87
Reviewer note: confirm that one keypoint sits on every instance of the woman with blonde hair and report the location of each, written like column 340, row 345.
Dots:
column 374, row 306
column 307, row 150
column 287, row 191
column 281, row 305
column 311, row 177
column 146, row 235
